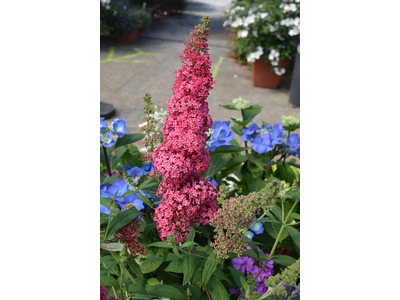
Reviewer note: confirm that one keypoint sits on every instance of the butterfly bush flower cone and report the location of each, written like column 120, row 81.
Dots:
column 187, row 198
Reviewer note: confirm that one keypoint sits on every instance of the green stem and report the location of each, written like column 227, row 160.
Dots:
column 279, row 236
column 120, row 282
column 270, row 291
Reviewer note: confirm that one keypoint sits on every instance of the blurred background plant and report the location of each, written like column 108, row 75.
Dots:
column 117, row 19
column 263, row 30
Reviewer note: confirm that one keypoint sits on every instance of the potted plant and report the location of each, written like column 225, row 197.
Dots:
column 263, row 37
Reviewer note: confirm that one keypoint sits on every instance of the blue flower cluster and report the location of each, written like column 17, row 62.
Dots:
column 264, row 139
column 219, row 135
column 257, row 228
column 120, row 187
column 117, row 127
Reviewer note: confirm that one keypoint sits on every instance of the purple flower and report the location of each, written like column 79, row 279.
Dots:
column 243, row 264
column 117, row 189
column 249, row 132
column 262, row 144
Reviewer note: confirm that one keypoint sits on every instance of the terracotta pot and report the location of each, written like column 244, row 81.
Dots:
column 128, row 38
column 264, row 75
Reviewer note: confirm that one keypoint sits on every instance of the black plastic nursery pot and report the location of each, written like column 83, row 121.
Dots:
column 295, row 86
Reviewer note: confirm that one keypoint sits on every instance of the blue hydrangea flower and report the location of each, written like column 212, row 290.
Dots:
column 221, row 135
column 134, row 171
column 107, row 140
column 213, row 182
column 133, row 199
column 250, row 132
column 104, row 210
column 119, row 127
column 262, row 144
column 257, row 228
column 148, row 168
column 103, row 125
column 249, row 234
column 293, row 142
column 118, row 188
column 276, row 133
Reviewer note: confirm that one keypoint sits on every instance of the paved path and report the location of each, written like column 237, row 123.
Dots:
column 130, row 71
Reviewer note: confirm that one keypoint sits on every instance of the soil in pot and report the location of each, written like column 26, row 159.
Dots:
column 264, row 76
column 128, row 38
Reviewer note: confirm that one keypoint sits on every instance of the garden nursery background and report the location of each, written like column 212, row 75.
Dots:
column 189, row 213
column 199, row 150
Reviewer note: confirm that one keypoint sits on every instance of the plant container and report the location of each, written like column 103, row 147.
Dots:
column 264, row 76
column 127, row 38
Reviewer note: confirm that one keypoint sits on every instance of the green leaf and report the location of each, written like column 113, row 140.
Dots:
column 107, row 280
column 237, row 275
column 190, row 238
column 175, row 266
column 188, row 268
column 137, row 289
column 122, row 219
column 230, row 107
column 150, row 186
column 165, row 291
column 295, row 216
column 217, row 163
column 209, row 268
column 105, row 202
column 250, row 112
column 129, row 139
column 132, row 157
column 188, row 244
column 228, row 149
column 283, row 260
column 277, row 211
column 145, row 200
column 118, row 154
column 134, row 267
column 160, row 245
column 273, row 230
column 285, row 173
column 244, row 284
column 255, row 184
column 237, row 129
column 104, row 218
column 110, row 180
column 151, row 265
column 112, row 246
column 195, row 291
column 217, row 289
column 295, row 235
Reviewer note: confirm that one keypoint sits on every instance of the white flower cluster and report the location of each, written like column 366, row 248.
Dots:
column 288, row 7
column 245, row 22
column 274, row 58
column 253, row 56
column 159, row 117
column 295, row 22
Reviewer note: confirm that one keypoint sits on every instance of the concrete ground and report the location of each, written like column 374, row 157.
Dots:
column 148, row 67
